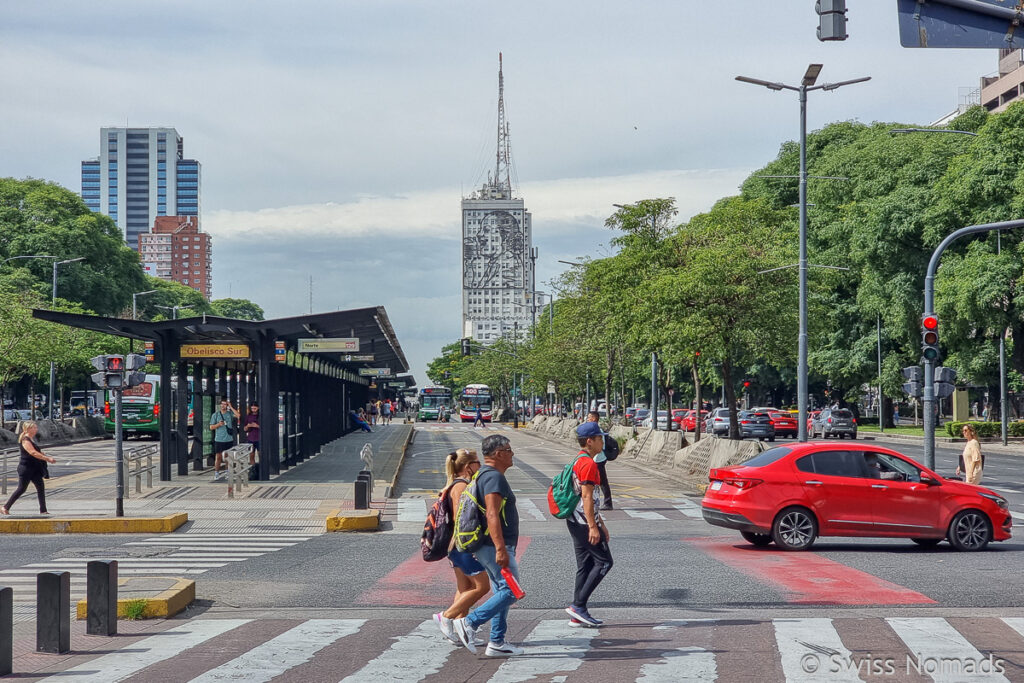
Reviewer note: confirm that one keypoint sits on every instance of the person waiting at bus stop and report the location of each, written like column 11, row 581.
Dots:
column 222, row 424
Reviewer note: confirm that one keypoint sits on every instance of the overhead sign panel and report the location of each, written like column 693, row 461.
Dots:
column 374, row 372
column 233, row 351
column 329, row 345
column 960, row 23
column 358, row 358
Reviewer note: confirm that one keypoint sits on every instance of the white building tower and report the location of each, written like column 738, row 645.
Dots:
column 497, row 253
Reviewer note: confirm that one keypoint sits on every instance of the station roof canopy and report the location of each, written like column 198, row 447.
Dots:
column 370, row 325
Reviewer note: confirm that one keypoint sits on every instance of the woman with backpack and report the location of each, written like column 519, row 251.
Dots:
column 470, row 577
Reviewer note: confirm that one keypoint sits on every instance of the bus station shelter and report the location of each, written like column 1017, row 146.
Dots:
column 306, row 373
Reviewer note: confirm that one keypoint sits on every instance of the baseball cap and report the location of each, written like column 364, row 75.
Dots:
column 588, row 429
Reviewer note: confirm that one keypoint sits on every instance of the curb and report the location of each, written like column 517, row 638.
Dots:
column 401, row 461
column 353, row 520
column 165, row 604
column 101, row 525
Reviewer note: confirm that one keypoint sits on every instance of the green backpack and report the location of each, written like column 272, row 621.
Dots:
column 563, row 496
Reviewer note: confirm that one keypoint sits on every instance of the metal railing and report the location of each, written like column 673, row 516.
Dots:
column 237, row 458
column 135, row 458
column 4, row 467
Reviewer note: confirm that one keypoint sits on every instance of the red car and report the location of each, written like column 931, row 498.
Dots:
column 784, row 423
column 793, row 494
column 684, row 419
column 678, row 415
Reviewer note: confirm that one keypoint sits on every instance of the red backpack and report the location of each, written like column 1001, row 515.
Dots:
column 438, row 529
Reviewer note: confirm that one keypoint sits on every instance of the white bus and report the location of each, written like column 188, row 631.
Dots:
column 473, row 396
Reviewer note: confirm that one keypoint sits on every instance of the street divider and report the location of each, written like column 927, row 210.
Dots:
column 353, row 520
column 148, row 597
column 93, row 525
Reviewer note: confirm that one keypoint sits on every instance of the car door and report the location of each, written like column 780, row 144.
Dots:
column 838, row 491
column 901, row 503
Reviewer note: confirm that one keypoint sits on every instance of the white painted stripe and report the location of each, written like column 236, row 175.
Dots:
column 75, row 564
column 932, row 640
column 528, row 507
column 119, row 665
column 197, row 548
column 412, row 509
column 682, row 665
column 233, row 557
column 227, row 545
column 552, row 647
column 1004, row 490
column 811, row 650
column 643, row 514
column 1016, row 623
column 689, row 508
column 411, row 657
column 276, row 656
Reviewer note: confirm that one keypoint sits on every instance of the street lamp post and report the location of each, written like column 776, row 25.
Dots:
column 53, row 300
column 806, row 85
column 174, row 310
column 135, row 314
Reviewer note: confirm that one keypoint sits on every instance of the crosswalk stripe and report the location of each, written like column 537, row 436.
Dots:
column 682, row 665
column 119, row 665
column 412, row 509
column 1016, row 623
column 553, row 647
column 643, row 514
column 688, row 508
column 276, row 656
column 411, row 657
column 933, row 639
column 528, row 507
column 214, row 544
column 807, row 646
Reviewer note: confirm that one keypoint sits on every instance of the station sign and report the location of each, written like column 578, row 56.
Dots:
column 396, row 385
column 358, row 358
column 374, row 372
column 226, row 351
column 280, row 352
column 328, row 345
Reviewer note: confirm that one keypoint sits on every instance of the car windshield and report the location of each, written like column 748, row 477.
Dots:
column 746, row 414
column 767, row 457
column 842, row 412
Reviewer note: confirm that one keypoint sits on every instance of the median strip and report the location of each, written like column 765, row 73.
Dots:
column 93, row 525
column 353, row 520
column 151, row 597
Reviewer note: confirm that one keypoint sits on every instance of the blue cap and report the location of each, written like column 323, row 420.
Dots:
column 588, row 429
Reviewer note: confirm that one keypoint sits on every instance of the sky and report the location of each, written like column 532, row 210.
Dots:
column 337, row 138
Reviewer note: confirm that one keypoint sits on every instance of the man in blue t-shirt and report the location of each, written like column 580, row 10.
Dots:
column 222, row 424
column 498, row 551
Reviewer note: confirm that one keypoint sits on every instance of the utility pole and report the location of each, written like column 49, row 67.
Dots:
column 654, row 390
column 881, row 401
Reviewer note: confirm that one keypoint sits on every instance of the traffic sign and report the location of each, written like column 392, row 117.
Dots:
column 374, row 372
column 987, row 24
column 358, row 358
column 329, row 345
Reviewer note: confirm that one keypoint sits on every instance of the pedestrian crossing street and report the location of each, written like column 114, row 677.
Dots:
column 737, row 649
column 176, row 555
column 535, row 508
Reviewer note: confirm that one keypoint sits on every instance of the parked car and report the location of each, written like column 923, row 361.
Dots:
column 837, row 422
column 784, row 424
column 688, row 420
column 677, row 416
column 811, row 414
column 27, row 414
column 629, row 414
column 717, row 422
column 790, row 495
column 755, row 425
column 662, row 420
column 11, row 415
column 640, row 416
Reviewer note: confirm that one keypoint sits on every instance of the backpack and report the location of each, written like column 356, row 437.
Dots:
column 563, row 496
column 437, row 530
column 611, row 447
column 471, row 518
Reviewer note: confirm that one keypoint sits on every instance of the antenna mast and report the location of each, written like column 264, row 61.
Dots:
column 502, row 175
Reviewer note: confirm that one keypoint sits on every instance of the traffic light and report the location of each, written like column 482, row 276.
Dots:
column 466, row 350
column 831, row 19
column 913, row 387
column 944, row 378
column 132, row 363
column 930, row 336
column 746, row 384
column 111, row 371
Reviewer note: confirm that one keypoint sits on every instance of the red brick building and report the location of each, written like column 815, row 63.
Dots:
column 176, row 249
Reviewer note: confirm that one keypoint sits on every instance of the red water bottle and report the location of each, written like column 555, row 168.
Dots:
column 513, row 585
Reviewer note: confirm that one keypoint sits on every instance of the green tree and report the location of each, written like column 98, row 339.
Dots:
column 240, row 309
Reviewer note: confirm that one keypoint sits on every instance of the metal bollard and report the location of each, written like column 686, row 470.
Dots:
column 6, row 631
column 196, row 454
column 53, row 612
column 362, row 493
column 101, row 598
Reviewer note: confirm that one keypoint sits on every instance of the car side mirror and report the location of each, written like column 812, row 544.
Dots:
column 929, row 480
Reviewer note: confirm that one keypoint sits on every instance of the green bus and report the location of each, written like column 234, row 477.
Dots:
column 432, row 399
column 140, row 409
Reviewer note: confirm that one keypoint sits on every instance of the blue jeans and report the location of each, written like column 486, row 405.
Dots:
column 496, row 607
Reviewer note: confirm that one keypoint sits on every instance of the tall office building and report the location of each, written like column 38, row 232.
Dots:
column 141, row 173
column 497, row 253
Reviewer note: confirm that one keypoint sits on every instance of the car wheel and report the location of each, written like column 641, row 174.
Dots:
column 927, row 542
column 853, row 436
column 760, row 540
column 970, row 530
column 794, row 529
column 771, row 438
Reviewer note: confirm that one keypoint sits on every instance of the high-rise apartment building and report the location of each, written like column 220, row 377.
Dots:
column 176, row 249
column 140, row 174
column 497, row 238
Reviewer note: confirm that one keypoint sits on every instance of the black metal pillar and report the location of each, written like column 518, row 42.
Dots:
column 167, row 353
column 269, row 443
column 183, row 397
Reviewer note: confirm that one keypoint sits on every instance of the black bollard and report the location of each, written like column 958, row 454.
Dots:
column 53, row 612
column 6, row 631
column 362, row 493
column 101, row 598
column 196, row 454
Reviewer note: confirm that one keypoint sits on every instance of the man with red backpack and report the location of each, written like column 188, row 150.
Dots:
column 586, row 527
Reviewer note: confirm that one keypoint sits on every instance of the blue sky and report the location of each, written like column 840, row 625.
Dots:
column 337, row 138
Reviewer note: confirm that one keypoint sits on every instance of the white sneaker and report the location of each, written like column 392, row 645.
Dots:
column 503, row 650
column 217, row 476
column 445, row 624
column 466, row 633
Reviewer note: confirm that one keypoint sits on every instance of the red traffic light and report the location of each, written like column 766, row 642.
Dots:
column 115, row 363
column 930, row 322
column 746, row 383
column 697, row 354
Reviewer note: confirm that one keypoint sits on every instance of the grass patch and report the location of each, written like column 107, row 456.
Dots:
column 134, row 609
column 902, row 429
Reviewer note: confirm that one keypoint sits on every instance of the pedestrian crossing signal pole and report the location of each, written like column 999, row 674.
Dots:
column 115, row 373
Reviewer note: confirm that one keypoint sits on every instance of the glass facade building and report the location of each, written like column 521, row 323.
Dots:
column 141, row 173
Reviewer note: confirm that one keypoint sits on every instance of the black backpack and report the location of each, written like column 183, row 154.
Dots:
column 437, row 530
column 611, row 447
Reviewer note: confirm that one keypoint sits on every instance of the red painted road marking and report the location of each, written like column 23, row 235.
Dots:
column 421, row 584
column 806, row 578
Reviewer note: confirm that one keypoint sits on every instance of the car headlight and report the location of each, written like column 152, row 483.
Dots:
column 998, row 500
